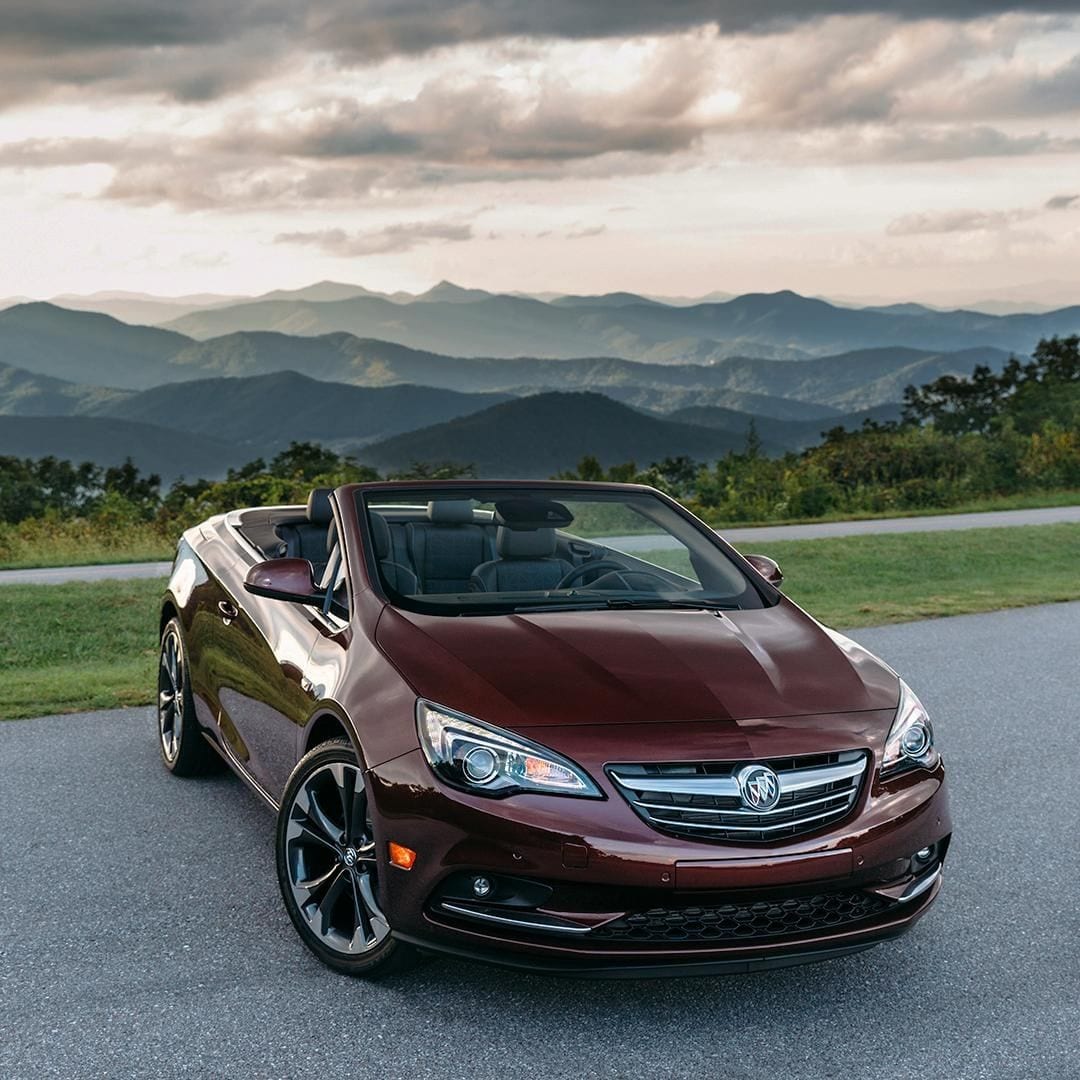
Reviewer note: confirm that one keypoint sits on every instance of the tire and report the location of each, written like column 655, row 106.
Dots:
column 184, row 751
column 328, row 866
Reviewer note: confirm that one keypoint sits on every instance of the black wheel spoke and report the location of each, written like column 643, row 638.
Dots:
column 301, row 829
column 319, row 818
column 359, row 833
column 345, row 779
column 363, row 922
column 379, row 926
column 320, row 882
column 337, row 886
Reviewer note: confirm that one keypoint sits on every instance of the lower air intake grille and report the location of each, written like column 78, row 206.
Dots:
column 742, row 922
column 705, row 801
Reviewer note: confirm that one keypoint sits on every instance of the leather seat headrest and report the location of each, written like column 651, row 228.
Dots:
column 318, row 506
column 534, row 544
column 380, row 535
column 450, row 511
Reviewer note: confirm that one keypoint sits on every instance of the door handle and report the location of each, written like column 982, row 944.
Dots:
column 228, row 611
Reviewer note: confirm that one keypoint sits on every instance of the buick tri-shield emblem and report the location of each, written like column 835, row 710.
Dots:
column 759, row 787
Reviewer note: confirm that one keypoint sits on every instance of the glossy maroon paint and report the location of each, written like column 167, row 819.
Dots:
column 279, row 579
column 768, row 568
column 598, row 687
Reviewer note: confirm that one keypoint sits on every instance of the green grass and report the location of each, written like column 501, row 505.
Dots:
column 66, row 648
column 871, row 580
column 84, row 645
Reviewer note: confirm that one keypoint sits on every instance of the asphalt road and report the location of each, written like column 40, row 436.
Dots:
column 740, row 537
column 141, row 933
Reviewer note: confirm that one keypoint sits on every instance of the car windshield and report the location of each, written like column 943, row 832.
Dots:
column 490, row 550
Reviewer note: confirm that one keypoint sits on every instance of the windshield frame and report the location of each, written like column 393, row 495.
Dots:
column 364, row 495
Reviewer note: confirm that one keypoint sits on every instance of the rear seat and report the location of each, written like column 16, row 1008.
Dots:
column 444, row 550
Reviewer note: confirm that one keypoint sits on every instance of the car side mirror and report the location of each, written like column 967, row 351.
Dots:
column 285, row 579
column 768, row 568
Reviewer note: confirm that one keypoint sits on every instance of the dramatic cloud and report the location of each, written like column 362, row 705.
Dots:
column 968, row 221
column 485, row 121
column 389, row 240
column 956, row 221
column 201, row 50
column 856, row 91
column 912, row 145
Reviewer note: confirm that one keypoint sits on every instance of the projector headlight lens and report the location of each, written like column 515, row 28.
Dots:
column 911, row 740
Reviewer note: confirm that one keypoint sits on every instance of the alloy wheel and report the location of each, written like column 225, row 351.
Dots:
column 171, row 694
column 331, row 862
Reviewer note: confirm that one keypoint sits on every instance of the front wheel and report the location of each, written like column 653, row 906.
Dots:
column 328, row 865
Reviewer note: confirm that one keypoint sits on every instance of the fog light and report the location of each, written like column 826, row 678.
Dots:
column 480, row 765
column 401, row 856
column 481, row 887
column 924, row 855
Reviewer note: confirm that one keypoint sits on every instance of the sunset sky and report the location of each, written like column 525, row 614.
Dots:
column 837, row 149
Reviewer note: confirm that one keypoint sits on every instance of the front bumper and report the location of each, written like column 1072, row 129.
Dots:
column 588, row 888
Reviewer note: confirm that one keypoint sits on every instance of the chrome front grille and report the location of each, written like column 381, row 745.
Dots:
column 703, row 801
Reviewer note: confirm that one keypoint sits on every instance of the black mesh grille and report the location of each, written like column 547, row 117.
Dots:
column 743, row 922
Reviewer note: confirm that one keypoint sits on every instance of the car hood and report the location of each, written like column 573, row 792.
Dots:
column 626, row 667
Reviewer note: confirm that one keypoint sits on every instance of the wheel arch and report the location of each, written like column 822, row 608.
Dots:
column 329, row 723
column 169, row 610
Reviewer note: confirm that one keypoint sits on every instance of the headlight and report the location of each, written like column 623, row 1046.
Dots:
column 487, row 761
column 911, row 740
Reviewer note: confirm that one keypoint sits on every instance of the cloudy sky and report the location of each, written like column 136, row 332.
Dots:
column 841, row 147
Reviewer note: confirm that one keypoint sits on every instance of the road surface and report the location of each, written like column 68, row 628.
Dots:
column 739, row 537
column 141, row 931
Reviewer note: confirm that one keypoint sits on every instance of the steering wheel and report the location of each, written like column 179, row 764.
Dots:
column 617, row 570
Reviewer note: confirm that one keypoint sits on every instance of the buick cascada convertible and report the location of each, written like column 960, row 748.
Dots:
column 559, row 726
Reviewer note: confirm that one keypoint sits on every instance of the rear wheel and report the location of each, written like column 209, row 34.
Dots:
column 183, row 749
column 328, row 866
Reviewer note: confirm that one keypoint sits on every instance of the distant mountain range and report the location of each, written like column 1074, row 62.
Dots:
column 563, row 377
column 85, row 347
column 775, row 326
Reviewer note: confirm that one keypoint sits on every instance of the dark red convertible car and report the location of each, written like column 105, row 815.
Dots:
column 560, row 726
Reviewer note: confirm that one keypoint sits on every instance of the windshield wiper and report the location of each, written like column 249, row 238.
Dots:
column 660, row 603
column 626, row 604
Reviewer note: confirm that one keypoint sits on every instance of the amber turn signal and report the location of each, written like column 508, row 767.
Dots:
column 401, row 856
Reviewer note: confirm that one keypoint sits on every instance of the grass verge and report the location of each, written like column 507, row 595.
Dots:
column 82, row 645
column 854, row 581
column 67, row 648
